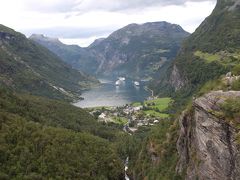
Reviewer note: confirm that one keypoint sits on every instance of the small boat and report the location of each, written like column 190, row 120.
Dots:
column 136, row 83
column 122, row 78
column 118, row 82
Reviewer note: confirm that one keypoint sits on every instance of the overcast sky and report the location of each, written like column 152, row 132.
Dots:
column 82, row 21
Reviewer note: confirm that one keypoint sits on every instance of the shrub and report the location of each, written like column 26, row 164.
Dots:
column 236, row 70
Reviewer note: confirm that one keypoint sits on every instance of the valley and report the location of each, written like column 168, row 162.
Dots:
column 149, row 101
column 134, row 118
column 135, row 51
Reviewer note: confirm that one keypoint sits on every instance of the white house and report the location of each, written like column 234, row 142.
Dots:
column 102, row 116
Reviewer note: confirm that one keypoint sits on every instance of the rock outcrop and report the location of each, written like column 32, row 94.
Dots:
column 176, row 80
column 207, row 143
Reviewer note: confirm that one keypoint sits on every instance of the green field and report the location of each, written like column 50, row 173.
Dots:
column 207, row 57
column 156, row 107
column 120, row 120
column 161, row 103
column 222, row 57
column 156, row 114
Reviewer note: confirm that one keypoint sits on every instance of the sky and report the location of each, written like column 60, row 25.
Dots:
column 82, row 21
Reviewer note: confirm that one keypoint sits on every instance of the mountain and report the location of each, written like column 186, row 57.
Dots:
column 77, row 57
column 138, row 50
column 135, row 50
column 43, row 136
column 212, row 50
column 29, row 67
column 204, row 81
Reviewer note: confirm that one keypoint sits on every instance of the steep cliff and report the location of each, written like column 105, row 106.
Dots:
column 207, row 144
column 208, row 140
column 176, row 80
column 212, row 50
column 139, row 50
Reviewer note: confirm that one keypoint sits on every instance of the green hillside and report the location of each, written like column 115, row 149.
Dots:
column 74, row 55
column 42, row 138
column 29, row 67
column 200, row 67
column 212, row 50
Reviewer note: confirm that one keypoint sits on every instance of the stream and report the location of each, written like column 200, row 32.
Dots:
column 126, row 168
column 127, row 159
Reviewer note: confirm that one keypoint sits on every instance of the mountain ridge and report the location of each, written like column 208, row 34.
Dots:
column 30, row 67
column 127, row 50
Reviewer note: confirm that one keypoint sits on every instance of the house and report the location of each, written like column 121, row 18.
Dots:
column 102, row 116
column 156, row 121
column 138, row 108
column 139, row 124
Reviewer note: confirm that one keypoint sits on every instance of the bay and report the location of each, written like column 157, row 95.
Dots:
column 108, row 94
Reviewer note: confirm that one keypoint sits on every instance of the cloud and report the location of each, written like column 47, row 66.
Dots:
column 125, row 5
column 83, row 42
column 83, row 20
column 71, row 32
column 50, row 6
column 85, row 6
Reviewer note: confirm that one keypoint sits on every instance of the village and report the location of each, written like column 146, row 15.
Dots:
column 135, row 115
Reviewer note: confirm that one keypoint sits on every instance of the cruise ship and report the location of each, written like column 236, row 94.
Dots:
column 118, row 82
column 136, row 83
column 122, row 78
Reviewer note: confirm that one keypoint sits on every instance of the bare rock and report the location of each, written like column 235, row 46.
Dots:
column 176, row 80
column 207, row 145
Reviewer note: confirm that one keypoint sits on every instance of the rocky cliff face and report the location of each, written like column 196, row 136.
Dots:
column 176, row 79
column 207, row 144
column 137, row 50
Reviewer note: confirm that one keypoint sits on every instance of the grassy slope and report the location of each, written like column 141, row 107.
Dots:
column 219, row 32
column 156, row 108
column 160, row 103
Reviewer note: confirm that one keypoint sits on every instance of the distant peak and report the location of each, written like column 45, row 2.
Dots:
column 42, row 37
column 96, row 42
column 159, row 24
column 37, row 36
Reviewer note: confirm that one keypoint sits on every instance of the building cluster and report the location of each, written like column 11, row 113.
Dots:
column 134, row 115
